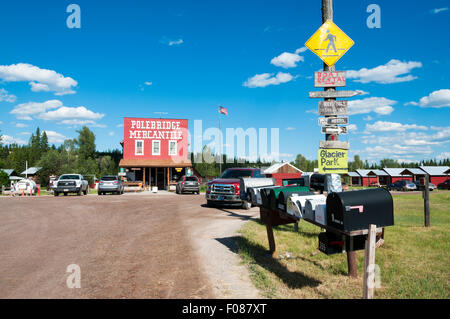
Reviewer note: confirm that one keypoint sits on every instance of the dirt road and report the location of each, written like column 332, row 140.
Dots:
column 129, row 246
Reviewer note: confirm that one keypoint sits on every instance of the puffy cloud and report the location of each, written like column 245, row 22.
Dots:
column 76, row 122
column 287, row 60
column 24, row 111
column 379, row 105
column 390, row 72
column 265, row 79
column 300, row 50
column 436, row 99
column 382, row 126
column 443, row 155
column 290, row 128
column 70, row 113
column 39, row 79
column 148, row 83
column 352, row 127
column 54, row 137
column 6, row 139
column 21, row 125
column 5, row 96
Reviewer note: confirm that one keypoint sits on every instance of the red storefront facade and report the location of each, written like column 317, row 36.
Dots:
column 155, row 151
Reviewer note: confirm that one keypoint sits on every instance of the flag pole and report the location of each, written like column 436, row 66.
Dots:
column 221, row 156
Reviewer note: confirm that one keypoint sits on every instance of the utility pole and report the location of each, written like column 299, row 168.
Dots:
column 221, row 138
column 426, row 200
column 327, row 14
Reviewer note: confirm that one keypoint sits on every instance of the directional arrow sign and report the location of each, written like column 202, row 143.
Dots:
column 334, row 130
column 333, row 121
column 332, row 94
column 333, row 108
column 335, row 144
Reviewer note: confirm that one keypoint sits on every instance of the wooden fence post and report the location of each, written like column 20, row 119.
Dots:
column 369, row 263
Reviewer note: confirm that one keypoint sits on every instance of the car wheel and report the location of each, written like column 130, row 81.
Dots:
column 210, row 203
column 79, row 192
column 56, row 194
column 86, row 191
column 65, row 194
column 99, row 193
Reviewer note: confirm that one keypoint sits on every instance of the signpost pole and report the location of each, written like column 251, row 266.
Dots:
column 426, row 199
column 221, row 156
column 327, row 14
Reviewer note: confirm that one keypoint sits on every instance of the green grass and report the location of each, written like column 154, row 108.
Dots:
column 414, row 261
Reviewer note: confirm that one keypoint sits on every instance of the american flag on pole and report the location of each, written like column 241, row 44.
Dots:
column 223, row 110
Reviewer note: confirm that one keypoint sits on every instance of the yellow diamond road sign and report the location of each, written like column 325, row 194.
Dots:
column 329, row 43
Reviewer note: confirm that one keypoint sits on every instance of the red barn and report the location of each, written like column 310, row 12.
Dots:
column 395, row 174
column 366, row 178
column 280, row 171
column 437, row 173
column 155, row 151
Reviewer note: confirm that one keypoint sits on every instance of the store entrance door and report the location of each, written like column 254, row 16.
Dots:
column 161, row 178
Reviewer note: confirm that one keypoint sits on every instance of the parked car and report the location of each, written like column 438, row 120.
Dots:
column 421, row 187
column 26, row 186
column 110, row 184
column 444, row 185
column 227, row 190
column 71, row 183
column 403, row 185
column 188, row 184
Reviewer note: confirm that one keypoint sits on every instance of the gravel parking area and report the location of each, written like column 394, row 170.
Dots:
column 128, row 246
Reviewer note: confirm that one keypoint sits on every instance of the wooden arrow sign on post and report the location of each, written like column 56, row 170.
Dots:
column 333, row 107
column 334, row 130
column 332, row 94
column 323, row 121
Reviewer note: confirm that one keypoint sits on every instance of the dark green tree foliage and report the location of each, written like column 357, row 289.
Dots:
column 4, row 179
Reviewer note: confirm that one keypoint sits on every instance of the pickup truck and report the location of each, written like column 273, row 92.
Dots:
column 71, row 183
column 227, row 188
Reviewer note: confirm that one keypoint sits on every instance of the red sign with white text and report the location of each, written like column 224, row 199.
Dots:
column 158, row 139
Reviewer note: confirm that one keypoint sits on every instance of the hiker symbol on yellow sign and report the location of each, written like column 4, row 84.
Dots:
column 329, row 43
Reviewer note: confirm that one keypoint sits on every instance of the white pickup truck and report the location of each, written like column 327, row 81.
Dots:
column 71, row 183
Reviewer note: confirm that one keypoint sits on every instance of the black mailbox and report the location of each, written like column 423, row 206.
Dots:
column 356, row 210
column 331, row 243
column 318, row 181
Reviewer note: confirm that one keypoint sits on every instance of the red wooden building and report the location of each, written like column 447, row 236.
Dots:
column 395, row 174
column 155, row 151
column 367, row 179
column 280, row 171
column 437, row 173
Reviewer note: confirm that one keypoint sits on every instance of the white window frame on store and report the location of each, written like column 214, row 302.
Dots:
column 176, row 146
column 153, row 147
column 136, row 148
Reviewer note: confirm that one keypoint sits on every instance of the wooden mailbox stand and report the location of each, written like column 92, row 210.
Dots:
column 272, row 218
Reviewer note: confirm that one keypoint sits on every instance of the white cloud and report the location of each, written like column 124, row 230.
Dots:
column 265, row 79
column 1, row 122
column 300, row 50
column 368, row 118
column 352, row 127
column 148, row 83
column 25, row 133
column 411, row 103
column 7, row 140
column 5, row 96
column 21, row 125
column 382, row 126
column 437, row 10
column 175, row 42
column 24, row 111
column 394, row 71
column 70, row 113
column 436, row 99
column 111, row 133
column 54, row 137
column 75, row 122
column 396, row 150
column 287, row 60
column 290, row 128
column 39, row 79
column 443, row 155
column 379, row 105
column 120, row 125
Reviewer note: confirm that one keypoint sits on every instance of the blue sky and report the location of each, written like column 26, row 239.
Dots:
column 134, row 58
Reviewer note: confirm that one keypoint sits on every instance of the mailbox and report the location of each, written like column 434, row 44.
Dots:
column 295, row 204
column 318, row 181
column 285, row 194
column 331, row 243
column 311, row 204
column 356, row 210
column 275, row 193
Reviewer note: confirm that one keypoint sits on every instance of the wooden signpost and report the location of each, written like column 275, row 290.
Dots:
column 334, row 130
column 325, row 121
column 333, row 108
column 335, row 144
column 329, row 79
column 333, row 94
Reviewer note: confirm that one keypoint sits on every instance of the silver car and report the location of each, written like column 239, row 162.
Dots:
column 110, row 184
